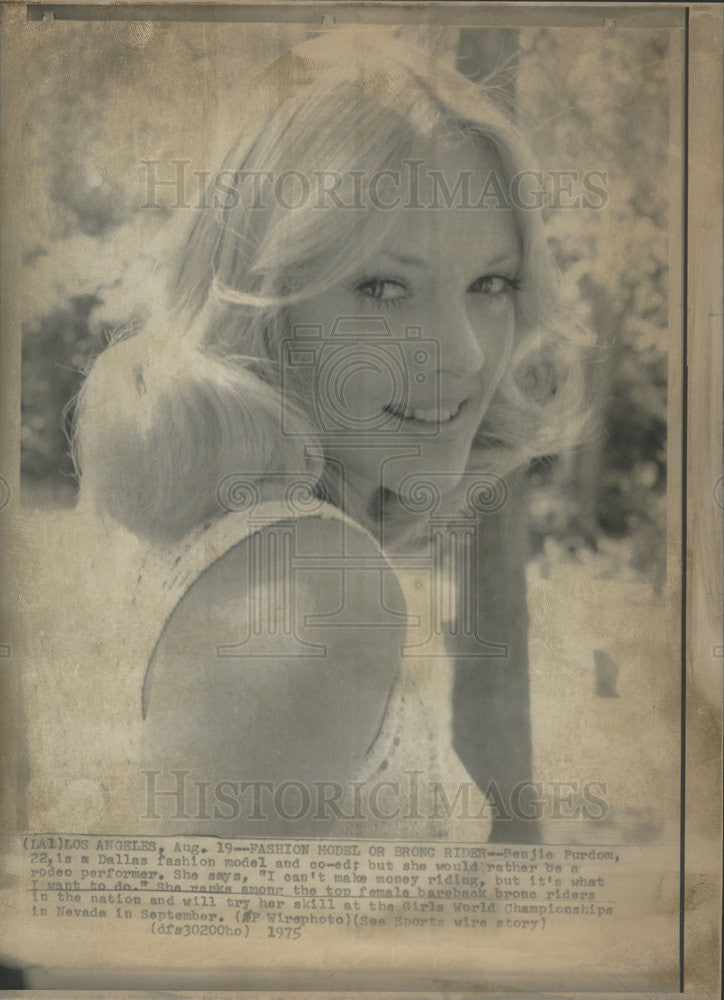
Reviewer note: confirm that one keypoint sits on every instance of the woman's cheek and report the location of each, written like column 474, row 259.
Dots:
column 496, row 324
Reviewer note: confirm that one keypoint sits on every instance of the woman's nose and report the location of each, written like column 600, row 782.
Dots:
column 458, row 344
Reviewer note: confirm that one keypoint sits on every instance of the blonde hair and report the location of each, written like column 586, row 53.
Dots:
column 192, row 394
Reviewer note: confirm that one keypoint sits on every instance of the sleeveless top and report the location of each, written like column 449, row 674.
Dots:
column 95, row 744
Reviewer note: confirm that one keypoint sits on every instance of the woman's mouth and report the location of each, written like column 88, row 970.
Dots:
column 441, row 414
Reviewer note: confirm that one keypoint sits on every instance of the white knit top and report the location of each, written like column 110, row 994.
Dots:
column 424, row 791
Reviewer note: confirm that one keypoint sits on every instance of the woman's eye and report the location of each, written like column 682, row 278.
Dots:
column 492, row 284
column 383, row 290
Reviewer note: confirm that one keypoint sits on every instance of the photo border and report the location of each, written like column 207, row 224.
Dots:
column 700, row 389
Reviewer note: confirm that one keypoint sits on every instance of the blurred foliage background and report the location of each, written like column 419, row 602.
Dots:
column 113, row 95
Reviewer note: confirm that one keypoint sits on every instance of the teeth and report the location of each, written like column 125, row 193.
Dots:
column 433, row 415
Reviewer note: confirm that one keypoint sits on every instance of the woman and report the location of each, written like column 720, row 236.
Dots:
column 362, row 313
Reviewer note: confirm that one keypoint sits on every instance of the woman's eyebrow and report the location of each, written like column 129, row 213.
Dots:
column 512, row 257
column 406, row 259
column 509, row 257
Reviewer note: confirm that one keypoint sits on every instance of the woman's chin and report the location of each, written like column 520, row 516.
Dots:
column 428, row 486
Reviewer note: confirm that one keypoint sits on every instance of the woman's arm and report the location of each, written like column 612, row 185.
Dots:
column 234, row 694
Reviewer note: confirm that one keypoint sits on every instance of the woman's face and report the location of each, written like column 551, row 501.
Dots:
column 400, row 359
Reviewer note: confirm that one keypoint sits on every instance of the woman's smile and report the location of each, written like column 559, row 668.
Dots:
column 418, row 414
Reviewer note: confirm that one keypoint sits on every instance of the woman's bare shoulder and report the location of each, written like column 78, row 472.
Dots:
column 280, row 657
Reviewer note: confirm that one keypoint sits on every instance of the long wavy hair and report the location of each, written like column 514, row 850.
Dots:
column 190, row 393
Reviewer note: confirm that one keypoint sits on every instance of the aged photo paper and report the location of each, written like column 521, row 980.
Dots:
column 361, row 499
